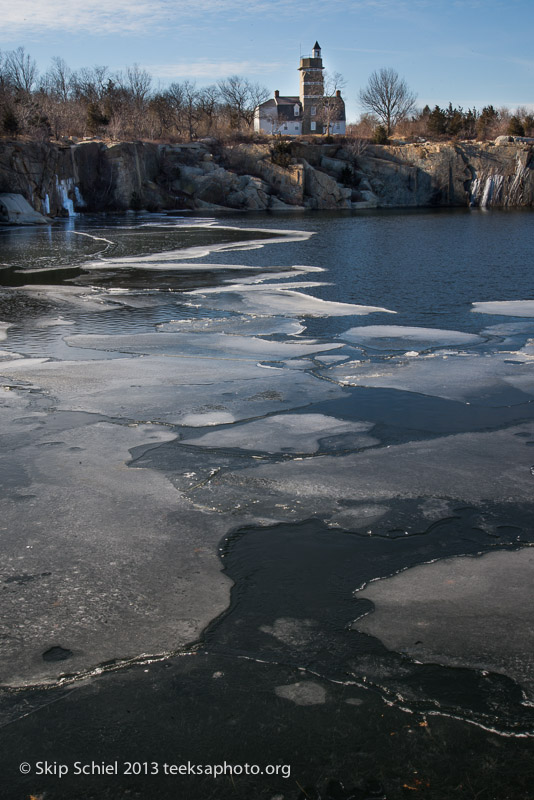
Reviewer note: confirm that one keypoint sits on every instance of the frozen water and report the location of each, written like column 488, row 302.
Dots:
column 63, row 187
column 293, row 632
column 506, row 308
column 281, row 302
column 256, row 287
column 67, row 519
column 303, row 693
column 287, row 433
column 400, row 337
column 207, row 419
column 471, row 612
column 471, row 467
column 169, row 389
column 88, row 299
column 197, row 345
column 176, row 259
column 3, row 330
column 254, row 326
column 487, row 379
column 509, row 329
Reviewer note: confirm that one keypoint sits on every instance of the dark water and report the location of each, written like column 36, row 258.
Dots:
column 385, row 725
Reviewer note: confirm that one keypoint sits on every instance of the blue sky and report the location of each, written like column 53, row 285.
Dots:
column 470, row 52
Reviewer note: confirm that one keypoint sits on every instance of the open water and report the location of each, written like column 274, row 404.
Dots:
column 311, row 404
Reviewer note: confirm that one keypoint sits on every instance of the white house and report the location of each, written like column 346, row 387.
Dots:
column 311, row 112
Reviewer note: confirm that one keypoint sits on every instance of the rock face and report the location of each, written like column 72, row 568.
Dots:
column 15, row 210
column 59, row 180
column 324, row 191
column 451, row 174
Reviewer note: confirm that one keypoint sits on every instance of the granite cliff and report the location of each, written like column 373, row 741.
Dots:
column 59, row 180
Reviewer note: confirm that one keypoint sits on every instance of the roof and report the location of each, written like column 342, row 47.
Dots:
column 316, row 46
column 287, row 99
column 338, row 105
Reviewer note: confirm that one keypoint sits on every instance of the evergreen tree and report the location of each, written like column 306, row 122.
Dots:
column 380, row 135
column 515, row 127
column 95, row 118
column 437, row 122
column 10, row 123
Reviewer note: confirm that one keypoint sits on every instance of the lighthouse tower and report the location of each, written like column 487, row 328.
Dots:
column 311, row 90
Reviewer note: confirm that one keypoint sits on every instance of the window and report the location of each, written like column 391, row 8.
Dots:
column 296, row 110
column 313, row 111
column 313, row 125
column 285, row 127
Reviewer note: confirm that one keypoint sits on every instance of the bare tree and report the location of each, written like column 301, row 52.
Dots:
column 242, row 97
column 58, row 80
column 387, row 95
column 21, row 70
column 190, row 108
column 138, row 84
column 208, row 104
column 331, row 104
column 90, row 83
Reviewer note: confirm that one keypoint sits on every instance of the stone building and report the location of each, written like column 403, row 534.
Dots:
column 309, row 113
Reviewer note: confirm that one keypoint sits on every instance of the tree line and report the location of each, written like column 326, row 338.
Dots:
column 390, row 108
column 95, row 101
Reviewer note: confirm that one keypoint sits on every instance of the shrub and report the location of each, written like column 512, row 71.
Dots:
column 10, row 123
column 281, row 153
column 380, row 135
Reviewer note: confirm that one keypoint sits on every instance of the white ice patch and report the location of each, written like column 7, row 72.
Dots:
column 254, row 326
column 175, row 259
column 201, row 344
column 282, row 302
column 506, row 308
column 257, row 287
column 509, row 328
column 400, row 337
column 63, row 187
column 287, row 433
column 169, row 389
column 207, row 418
column 453, row 614
column 479, row 379
column 88, row 299
column 303, row 693
column 3, row 330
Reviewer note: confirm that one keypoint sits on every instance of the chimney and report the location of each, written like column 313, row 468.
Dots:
column 338, row 93
column 276, row 94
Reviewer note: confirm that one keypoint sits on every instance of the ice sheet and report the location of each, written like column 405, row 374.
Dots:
column 196, row 345
column 465, row 468
column 252, row 326
column 487, row 379
column 281, row 302
column 89, row 553
column 400, row 337
column 168, row 389
column 256, row 287
column 506, row 308
column 471, row 612
column 288, row 433
column 303, row 693
column 88, row 299
column 175, row 259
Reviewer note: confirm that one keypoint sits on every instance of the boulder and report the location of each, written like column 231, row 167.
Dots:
column 323, row 191
column 15, row 210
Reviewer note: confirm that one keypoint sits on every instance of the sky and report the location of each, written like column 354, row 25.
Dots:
column 468, row 52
